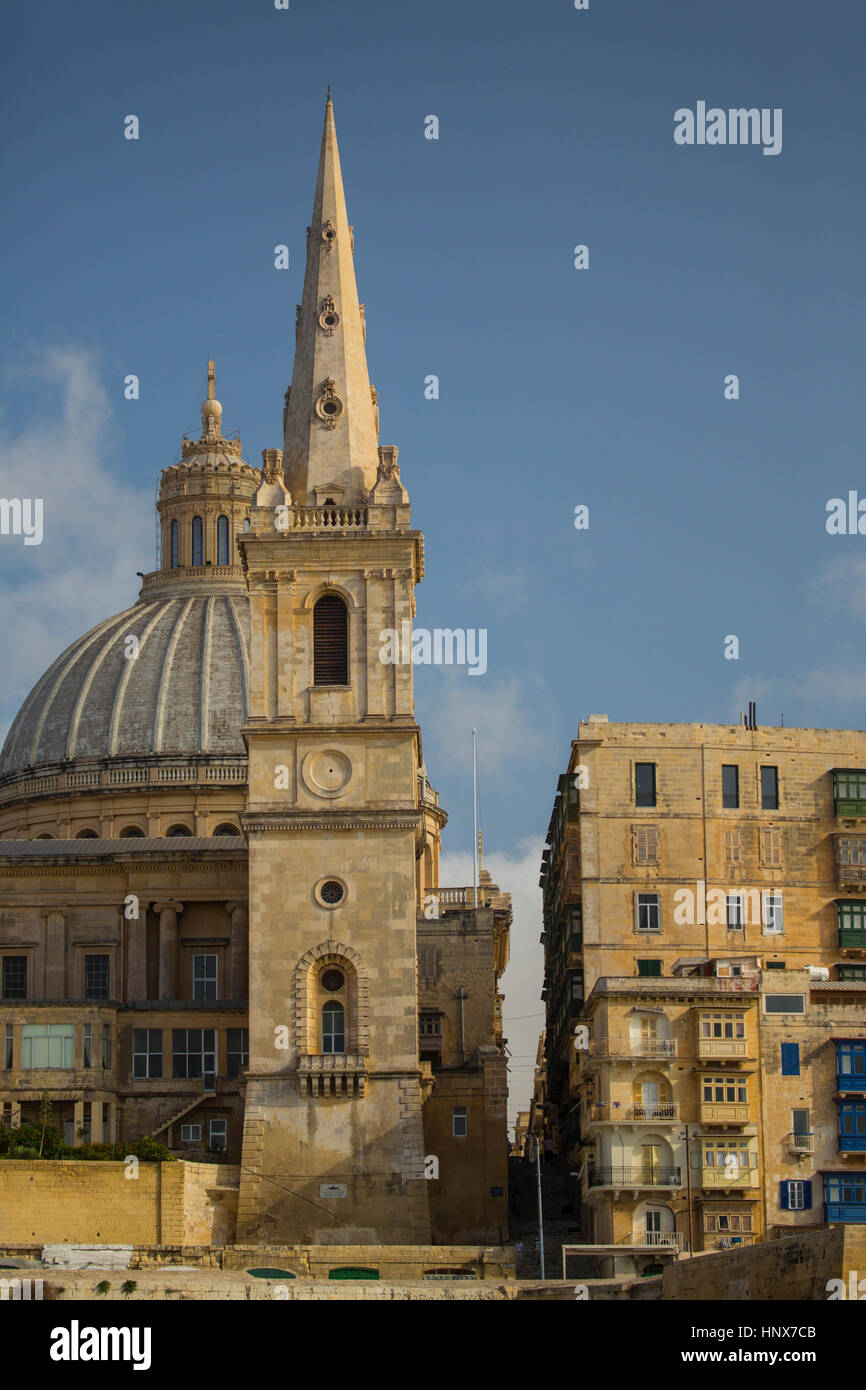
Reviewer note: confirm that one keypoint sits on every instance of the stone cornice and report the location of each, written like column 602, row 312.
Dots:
column 53, row 869
column 277, row 822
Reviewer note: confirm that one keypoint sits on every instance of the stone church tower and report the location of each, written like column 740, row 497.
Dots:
column 333, row 1148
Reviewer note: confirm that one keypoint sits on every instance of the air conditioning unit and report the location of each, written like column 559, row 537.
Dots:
column 819, row 972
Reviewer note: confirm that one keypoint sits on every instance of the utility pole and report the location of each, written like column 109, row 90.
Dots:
column 540, row 1211
column 689, row 1191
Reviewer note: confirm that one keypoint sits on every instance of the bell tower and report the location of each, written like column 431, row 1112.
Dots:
column 333, row 1146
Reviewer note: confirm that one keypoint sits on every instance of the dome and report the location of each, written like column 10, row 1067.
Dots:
column 185, row 692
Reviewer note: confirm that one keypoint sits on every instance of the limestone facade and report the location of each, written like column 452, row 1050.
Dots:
column 696, row 876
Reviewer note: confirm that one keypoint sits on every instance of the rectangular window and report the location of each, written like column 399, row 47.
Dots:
column 96, row 977
column 784, row 1003
column 733, row 1219
column 851, row 972
column 851, row 1060
column 732, row 1154
column 772, row 913
column 204, row 977
column 459, row 1123
column 774, row 965
column 732, row 847
column 790, row 1059
column 795, row 1195
column 723, row 1025
column 644, row 784
column 851, row 852
column 47, row 1045
column 14, row 977
column 106, row 1047
column 734, row 911
column 146, row 1052
column 852, row 1126
column 801, row 1122
column 647, row 912
column 428, row 962
column 851, row 923
column 87, row 1045
column 237, row 1050
column 770, row 843
column 849, row 788
column 769, row 788
column 190, row 1134
column 724, row 1090
column 193, row 1052
column 649, row 967
column 730, row 786
column 9, row 1037
column 218, row 1135
column 645, row 844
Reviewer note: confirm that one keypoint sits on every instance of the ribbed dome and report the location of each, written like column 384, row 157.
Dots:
column 185, row 692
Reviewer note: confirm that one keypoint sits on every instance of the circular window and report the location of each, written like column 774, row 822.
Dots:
column 332, row 980
column 331, row 892
column 330, row 320
column 330, row 407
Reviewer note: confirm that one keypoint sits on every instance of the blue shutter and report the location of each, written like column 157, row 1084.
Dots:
column 783, row 1196
column 807, row 1196
column 790, row 1059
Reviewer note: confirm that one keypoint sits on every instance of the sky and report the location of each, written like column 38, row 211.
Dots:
column 559, row 387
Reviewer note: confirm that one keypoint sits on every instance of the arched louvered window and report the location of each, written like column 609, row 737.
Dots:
column 330, row 641
column 222, row 540
column 197, row 541
column 175, row 545
column 333, row 1027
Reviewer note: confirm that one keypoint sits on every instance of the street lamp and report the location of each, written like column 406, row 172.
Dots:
column 540, row 1211
column 688, row 1139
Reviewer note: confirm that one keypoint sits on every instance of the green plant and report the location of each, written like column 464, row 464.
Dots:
column 102, row 1287
column 129, row 1287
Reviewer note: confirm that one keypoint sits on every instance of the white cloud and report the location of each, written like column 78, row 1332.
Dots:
column 97, row 529
column 516, row 872
column 452, row 703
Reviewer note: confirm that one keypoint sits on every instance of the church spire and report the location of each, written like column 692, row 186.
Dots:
column 331, row 429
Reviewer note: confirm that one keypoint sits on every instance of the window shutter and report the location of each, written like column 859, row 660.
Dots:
column 330, row 641
column 790, row 1059
column 807, row 1196
column 783, row 1196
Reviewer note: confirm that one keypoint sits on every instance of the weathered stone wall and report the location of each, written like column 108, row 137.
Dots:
column 797, row 1268
column 64, row 1202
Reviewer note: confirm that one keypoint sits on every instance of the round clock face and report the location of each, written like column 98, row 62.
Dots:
column 333, row 980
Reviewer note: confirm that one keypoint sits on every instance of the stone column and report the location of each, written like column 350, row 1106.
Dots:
column 135, row 931
column 96, row 1122
column 240, row 951
column 55, row 954
column 77, row 1122
column 168, row 915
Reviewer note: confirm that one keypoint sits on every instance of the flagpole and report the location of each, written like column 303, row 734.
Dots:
column 475, row 814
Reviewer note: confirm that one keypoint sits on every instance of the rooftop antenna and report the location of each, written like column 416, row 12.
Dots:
column 475, row 814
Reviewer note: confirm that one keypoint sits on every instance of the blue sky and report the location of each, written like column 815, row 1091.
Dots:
column 557, row 386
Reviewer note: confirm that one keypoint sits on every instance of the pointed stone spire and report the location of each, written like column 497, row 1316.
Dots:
column 330, row 444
